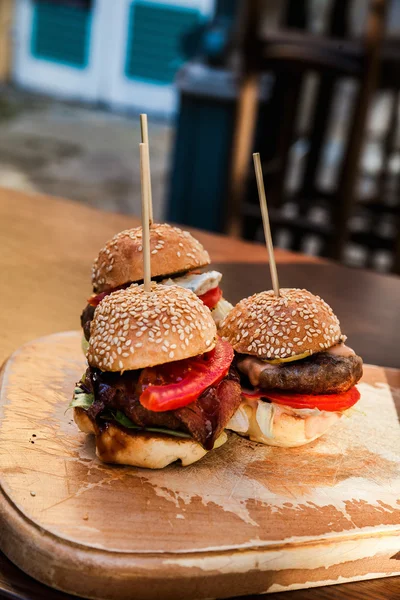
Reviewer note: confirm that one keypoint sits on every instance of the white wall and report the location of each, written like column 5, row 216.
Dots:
column 104, row 78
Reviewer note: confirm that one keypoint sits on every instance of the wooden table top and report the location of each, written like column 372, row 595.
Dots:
column 48, row 246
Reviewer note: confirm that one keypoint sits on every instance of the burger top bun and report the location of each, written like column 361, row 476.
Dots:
column 273, row 327
column 134, row 329
column 121, row 259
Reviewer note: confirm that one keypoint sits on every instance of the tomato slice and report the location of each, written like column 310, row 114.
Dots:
column 177, row 384
column 95, row 299
column 329, row 402
column 254, row 394
column 212, row 297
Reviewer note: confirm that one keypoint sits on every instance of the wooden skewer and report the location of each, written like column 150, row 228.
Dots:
column 265, row 218
column 144, row 178
column 145, row 140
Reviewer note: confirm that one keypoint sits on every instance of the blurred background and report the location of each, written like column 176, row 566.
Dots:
column 312, row 85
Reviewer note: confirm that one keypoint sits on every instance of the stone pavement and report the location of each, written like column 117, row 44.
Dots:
column 79, row 152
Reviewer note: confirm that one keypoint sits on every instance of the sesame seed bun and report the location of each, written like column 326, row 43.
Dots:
column 133, row 329
column 148, row 450
column 269, row 327
column 281, row 427
column 121, row 259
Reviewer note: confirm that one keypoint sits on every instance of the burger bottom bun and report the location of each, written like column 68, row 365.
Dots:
column 276, row 425
column 84, row 423
column 148, row 450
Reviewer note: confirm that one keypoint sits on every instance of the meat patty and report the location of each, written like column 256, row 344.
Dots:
column 204, row 419
column 321, row 373
column 86, row 319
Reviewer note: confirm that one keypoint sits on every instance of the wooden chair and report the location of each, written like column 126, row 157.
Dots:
column 291, row 56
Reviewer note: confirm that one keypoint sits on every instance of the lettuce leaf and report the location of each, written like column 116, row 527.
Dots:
column 84, row 345
column 81, row 399
column 123, row 420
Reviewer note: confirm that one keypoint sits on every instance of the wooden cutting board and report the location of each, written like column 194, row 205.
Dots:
column 246, row 519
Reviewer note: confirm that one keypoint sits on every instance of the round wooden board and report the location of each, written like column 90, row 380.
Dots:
column 246, row 519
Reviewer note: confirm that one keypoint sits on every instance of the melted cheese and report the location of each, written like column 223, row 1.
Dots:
column 199, row 283
column 278, row 361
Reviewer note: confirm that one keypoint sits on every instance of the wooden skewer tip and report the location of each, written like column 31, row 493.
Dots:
column 144, row 131
column 266, row 224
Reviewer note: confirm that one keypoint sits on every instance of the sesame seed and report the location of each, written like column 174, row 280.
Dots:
column 273, row 321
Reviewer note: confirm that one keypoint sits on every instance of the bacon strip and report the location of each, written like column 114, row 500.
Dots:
column 204, row 419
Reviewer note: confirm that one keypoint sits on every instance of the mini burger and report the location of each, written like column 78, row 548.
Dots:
column 297, row 374
column 176, row 257
column 160, row 386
